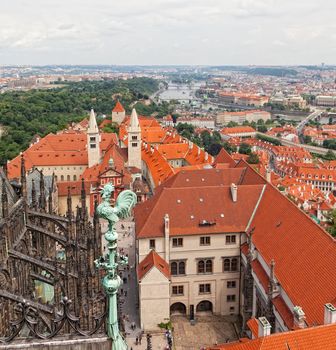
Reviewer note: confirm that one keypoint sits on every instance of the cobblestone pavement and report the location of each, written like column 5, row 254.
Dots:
column 207, row 331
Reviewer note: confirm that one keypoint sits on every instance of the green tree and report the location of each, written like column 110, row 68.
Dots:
column 231, row 124
column 245, row 148
column 262, row 128
column 332, row 221
column 253, row 158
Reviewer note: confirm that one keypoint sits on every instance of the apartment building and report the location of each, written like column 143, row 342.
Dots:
column 213, row 241
column 240, row 117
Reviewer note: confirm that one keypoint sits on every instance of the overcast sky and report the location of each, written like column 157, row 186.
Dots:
column 206, row 32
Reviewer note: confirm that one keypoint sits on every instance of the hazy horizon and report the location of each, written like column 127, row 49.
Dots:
column 167, row 32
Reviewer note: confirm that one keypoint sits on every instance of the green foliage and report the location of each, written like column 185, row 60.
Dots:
column 262, row 128
column 229, row 148
column 24, row 114
column 331, row 144
column 231, row 124
column 186, row 130
column 111, row 128
column 268, row 139
column 278, row 72
column 330, row 155
column 168, row 325
column 253, row 158
column 307, row 139
column 332, row 221
column 245, row 148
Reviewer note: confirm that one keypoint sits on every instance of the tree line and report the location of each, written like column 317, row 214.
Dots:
column 24, row 114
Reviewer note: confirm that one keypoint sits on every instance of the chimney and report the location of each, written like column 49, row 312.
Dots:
column 234, row 192
column 190, row 145
column 299, row 317
column 264, row 327
column 166, row 236
column 329, row 314
column 198, row 151
column 206, row 156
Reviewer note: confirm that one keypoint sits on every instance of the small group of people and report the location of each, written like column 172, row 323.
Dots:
column 138, row 339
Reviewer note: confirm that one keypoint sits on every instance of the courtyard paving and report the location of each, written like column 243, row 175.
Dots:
column 207, row 331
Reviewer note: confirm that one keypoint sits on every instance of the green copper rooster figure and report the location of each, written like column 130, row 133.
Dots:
column 112, row 282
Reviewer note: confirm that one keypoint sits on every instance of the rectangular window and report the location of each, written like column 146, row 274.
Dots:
column 231, row 284
column 205, row 240
column 231, row 298
column 231, row 239
column 204, row 288
column 134, row 144
column 134, row 137
column 177, row 290
column 92, row 138
column 152, row 244
column 177, row 242
column 92, row 145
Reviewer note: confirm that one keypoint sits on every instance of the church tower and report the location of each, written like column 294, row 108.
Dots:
column 93, row 139
column 118, row 113
column 134, row 141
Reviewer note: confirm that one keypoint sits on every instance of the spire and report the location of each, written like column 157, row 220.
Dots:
column 42, row 192
column 83, row 199
column 4, row 199
column 134, row 125
column 33, row 194
column 93, row 127
column 23, row 178
column 69, row 204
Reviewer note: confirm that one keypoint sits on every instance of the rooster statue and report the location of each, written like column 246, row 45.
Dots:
column 111, row 281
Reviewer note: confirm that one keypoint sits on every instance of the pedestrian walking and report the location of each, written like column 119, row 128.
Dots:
column 140, row 338
column 136, row 341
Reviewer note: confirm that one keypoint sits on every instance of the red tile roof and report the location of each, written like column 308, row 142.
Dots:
column 253, row 325
column 118, row 108
column 224, row 157
column 58, row 150
column 315, row 338
column 287, row 235
column 191, row 207
column 150, row 261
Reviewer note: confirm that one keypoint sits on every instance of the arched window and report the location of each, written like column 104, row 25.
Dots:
column 68, row 177
column 208, row 266
column 226, row 264
column 201, row 268
column 181, row 268
column 62, row 178
column 173, row 268
column 75, row 177
column 234, row 264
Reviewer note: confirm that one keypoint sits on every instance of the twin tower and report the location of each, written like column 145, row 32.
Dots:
column 134, row 141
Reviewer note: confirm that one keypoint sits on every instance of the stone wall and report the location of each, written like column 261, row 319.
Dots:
column 94, row 343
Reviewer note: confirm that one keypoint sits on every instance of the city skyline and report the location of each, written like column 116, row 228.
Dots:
column 169, row 32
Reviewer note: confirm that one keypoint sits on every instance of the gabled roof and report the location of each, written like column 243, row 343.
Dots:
column 315, row 338
column 189, row 201
column 153, row 260
column 58, row 150
column 118, row 108
column 224, row 157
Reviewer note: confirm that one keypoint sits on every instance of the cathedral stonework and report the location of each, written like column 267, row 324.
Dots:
column 48, row 284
